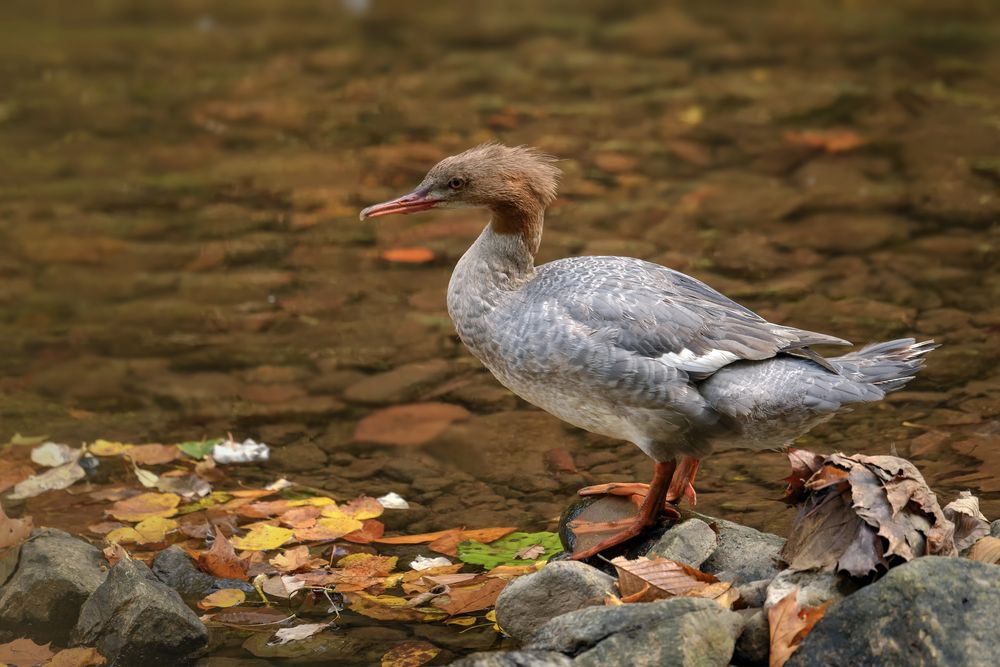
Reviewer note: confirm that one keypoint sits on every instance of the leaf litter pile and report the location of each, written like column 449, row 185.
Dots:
column 310, row 560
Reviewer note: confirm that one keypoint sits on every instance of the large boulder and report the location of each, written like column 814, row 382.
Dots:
column 930, row 611
column 679, row 632
column 55, row 575
column 690, row 542
column 134, row 619
column 744, row 554
column 527, row 603
column 174, row 567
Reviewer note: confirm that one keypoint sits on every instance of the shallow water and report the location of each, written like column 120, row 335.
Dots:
column 181, row 256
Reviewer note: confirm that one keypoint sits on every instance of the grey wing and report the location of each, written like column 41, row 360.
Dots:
column 660, row 324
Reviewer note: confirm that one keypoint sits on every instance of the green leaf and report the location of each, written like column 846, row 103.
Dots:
column 198, row 449
column 504, row 550
column 29, row 440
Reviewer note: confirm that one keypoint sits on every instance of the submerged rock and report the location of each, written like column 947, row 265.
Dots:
column 689, row 632
column 134, row 619
column 175, row 568
column 55, row 575
column 691, row 543
column 743, row 554
column 753, row 647
column 529, row 602
column 930, row 611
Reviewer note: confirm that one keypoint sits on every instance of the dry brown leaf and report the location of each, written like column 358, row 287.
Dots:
column 419, row 538
column 145, row 506
column 292, row 559
column 152, row 454
column 986, row 550
column 363, row 507
column 970, row 524
column 831, row 140
column 116, row 552
column 370, row 531
column 789, row 624
column 464, row 600
column 13, row 531
column 242, row 616
column 661, row 578
column 14, row 473
column 300, row 517
column 408, row 425
column 24, row 653
column 221, row 560
column 804, row 465
column 77, row 657
column 410, row 654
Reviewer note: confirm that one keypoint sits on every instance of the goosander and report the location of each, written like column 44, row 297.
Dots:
column 630, row 349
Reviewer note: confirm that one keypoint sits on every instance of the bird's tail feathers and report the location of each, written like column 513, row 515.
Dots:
column 889, row 365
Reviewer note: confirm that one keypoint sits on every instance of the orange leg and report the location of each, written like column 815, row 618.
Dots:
column 649, row 511
column 682, row 482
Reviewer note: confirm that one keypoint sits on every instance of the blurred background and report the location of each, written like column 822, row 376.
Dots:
column 180, row 253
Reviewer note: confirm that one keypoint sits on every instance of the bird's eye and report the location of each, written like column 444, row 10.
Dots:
column 456, row 183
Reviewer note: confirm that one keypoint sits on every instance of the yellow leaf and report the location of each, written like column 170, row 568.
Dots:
column 391, row 608
column 76, row 657
column 329, row 528
column 463, row 621
column 145, row 505
column 262, row 538
column 123, row 535
column 410, row 654
column 693, row 115
column 108, row 448
column 227, row 597
column 155, row 529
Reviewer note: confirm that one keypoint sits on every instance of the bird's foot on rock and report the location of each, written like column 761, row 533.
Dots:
column 634, row 491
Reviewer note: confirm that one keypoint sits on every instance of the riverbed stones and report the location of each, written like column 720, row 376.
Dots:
column 54, row 576
column 175, row 568
column 134, row 619
column 744, row 554
column 753, row 646
column 811, row 587
column 680, row 631
column 529, row 602
column 398, row 385
column 690, row 542
column 514, row 659
column 930, row 611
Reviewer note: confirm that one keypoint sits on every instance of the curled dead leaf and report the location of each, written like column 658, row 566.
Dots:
column 645, row 579
column 789, row 624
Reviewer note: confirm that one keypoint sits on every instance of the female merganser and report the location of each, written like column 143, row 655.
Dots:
column 630, row 349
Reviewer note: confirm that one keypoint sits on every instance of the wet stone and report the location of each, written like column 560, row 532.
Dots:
column 753, row 647
column 55, row 575
column 300, row 457
column 175, row 568
column 690, row 542
column 743, row 554
column 812, row 588
column 399, row 385
column 514, row 659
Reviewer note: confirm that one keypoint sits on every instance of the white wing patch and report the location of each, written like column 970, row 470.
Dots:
column 688, row 360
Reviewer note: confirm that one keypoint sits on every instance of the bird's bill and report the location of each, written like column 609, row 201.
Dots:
column 412, row 203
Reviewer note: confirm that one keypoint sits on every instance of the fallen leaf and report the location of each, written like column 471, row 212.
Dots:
column 970, row 524
column 296, row 633
column 104, row 527
column 221, row 560
column 300, row 517
column 408, row 425
column 504, row 551
column 831, row 141
column 789, row 624
column 268, row 508
column 226, row 597
column 804, row 465
column 371, row 530
column 24, row 653
column 292, row 559
column 188, row 486
column 27, row 440
column 560, row 460
column 242, row 616
column 390, row 608
column 419, row 538
column 464, row 600
column 123, row 535
column 410, row 654
column 263, row 538
column 362, row 508
column 13, row 531
column 408, row 255
column 199, row 449
column 116, row 552
column 530, row 553
column 281, row 586
column 986, row 550
column 328, row 528
column 644, row 579
column 145, row 506
column 52, row 455
column 52, row 479
column 108, row 448
column 149, row 455
column 77, row 657
column 154, row 529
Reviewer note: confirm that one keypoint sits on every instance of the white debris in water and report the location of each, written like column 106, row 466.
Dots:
column 425, row 563
column 393, row 501
column 278, row 485
column 249, row 451
column 297, row 633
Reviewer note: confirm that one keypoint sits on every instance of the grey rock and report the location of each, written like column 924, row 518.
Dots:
column 55, row 574
column 753, row 593
column 753, row 647
column 930, row 611
column 995, row 528
column 743, row 554
column 685, row 632
column 812, row 587
column 514, row 659
column 177, row 570
column 134, row 619
column 527, row 603
column 690, row 542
